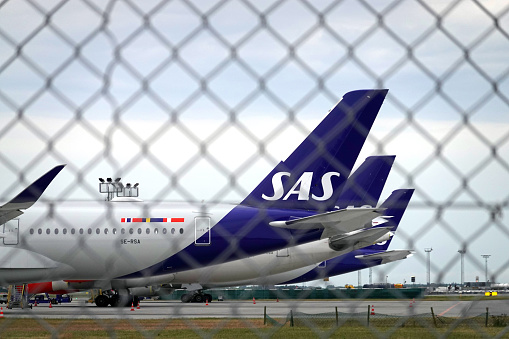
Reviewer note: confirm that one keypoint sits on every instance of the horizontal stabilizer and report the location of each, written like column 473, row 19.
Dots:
column 28, row 196
column 387, row 257
column 359, row 239
column 333, row 223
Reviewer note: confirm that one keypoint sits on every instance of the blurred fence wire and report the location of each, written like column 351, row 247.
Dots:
column 158, row 90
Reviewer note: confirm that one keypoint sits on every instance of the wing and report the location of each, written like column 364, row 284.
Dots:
column 387, row 257
column 335, row 222
column 28, row 196
column 360, row 238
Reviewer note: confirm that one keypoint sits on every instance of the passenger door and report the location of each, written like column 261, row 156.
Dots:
column 11, row 232
column 202, row 231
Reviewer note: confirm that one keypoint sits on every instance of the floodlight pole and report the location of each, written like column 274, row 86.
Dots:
column 428, row 265
column 359, row 281
column 371, row 276
column 462, row 254
column 486, row 256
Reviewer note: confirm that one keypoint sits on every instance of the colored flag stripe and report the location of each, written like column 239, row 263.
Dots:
column 151, row 219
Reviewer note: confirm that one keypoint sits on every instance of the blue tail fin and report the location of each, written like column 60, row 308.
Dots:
column 396, row 205
column 364, row 186
column 311, row 178
column 28, row 196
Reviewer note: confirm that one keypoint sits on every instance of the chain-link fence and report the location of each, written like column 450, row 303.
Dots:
column 198, row 101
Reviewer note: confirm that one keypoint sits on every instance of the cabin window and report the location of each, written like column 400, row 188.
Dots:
column 31, row 231
column 181, row 231
column 81, row 230
column 148, row 230
column 139, row 230
column 39, row 231
column 131, row 231
column 89, row 231
column 172, row 231
column 114, row 231
column 156, row 231
column 56, row 230
column 64, row 231
column 165, row 230
column 122, row 231
column 73, row 231
column 48, row 231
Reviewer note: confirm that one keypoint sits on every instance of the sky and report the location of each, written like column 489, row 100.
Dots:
column 138, row 90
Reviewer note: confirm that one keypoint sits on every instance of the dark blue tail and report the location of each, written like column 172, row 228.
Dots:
column 364, row 186
column 28, row 196
column 311, row 178
column 396, row 205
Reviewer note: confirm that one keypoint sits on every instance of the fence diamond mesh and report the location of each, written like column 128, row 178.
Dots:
column 198, row 101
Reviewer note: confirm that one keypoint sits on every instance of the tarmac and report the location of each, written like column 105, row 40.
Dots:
column 247, row 309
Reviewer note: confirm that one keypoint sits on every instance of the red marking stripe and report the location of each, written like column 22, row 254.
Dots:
column 151, row 219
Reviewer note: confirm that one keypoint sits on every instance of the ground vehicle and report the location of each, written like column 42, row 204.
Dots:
column 47, row 298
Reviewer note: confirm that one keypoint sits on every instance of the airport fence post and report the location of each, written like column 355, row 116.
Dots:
column 337, row 317
column 265, row 315
column 291, row 318
column 487, row 313
column 369, row 308
column 433, row 315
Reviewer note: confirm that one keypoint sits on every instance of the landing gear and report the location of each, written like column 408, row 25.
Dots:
column 102, row 300
column 116, row 300
column 196, row 297
column 185, row 298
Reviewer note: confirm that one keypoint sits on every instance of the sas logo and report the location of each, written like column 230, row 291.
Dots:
column 302, row 187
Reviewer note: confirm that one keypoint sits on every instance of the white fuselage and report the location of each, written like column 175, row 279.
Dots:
column 103, row 241
column 94, row 240
column 262, row 267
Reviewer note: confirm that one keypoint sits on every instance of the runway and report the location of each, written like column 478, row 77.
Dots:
column 246, row 309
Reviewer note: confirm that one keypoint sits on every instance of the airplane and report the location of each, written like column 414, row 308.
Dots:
column 124, row 238
column 358, row 259
column 363, row 188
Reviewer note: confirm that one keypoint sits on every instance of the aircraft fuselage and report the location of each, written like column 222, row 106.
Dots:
column 98, row 240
